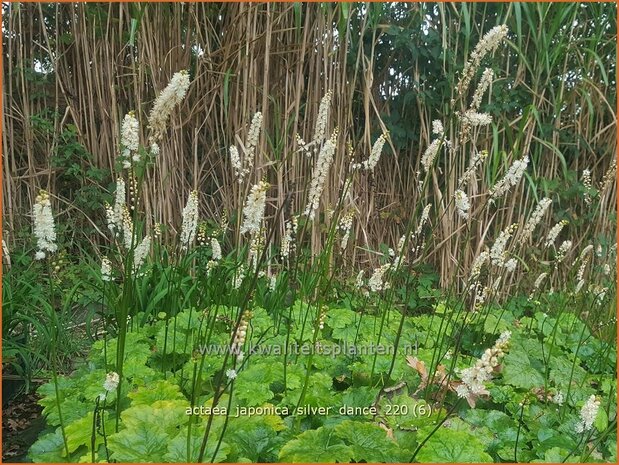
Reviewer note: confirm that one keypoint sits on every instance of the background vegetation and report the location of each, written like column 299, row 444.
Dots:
column 73, row 70
column 115, row 311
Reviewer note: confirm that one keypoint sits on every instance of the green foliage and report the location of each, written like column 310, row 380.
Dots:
column 321, row 445
column 147, row 431
column 180, row 328
column 519, row 371
column 369, row 443
column 154, row 424
column 48, row 449
column 448, row 446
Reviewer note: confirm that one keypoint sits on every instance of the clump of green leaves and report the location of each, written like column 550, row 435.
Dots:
column 521, row 419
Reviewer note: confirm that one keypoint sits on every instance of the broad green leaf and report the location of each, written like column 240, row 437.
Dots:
column 492, row 324
column 320, row 393
column 503, row 428
column 339, row 318
column 447, row 446
column 320, row 445
column 253, row 394
column 138, row 373
column 79, row 433
column 168, row 414
column 347, row 333
column 144, row 441
column 369, row 442
column 483, row 433
column 72, row 409
column 362, row 396
column 612, row 448
column 550, row 438
column 518, row 372
column 557, row 455
column 260, row 321
column 137, row 346
column 601, row 420
column 160, row 390
column 147, row 431
column 256, row 437
column 177, row 448
column 170, row 341
column 564, row 372
column 48, row 449
column 264, row 372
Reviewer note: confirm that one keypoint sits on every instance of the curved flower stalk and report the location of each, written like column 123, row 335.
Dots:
column 482, row 87
column 115, row 214
column 580, row 275
column 537, row 284
column 554, row 232
column 287, row 245
column 140, row 253
column 6, row 254
column 237, row 164
column 239, row 276
column 588, row 414
column 377, row 282
column 475, row 377
column 482, row 293
column 360, row 284
column 240, row 335
column 564, row 248
column 319, row 176
column 243, row 165
column 534, row 220
column 253, row 212
column 129, row 140
column 488, row 43
column 609, row 177
column 497, row 252
column 425, row 215
column 44, row 228
column 586, row 181
column 171, row 96
column 511, row 265
column 320, row 129
column 475, row 162
column 215, row 249
column 476, row 268
column 377, row 150
column 599, row 293
column 399, row 255
column 190, row 221
column 585, row 253
column 437, row 127
column 256, row 245
column 45, row 233
column 511, row 178
column 462, row 204
column 106, row 269
column 474, row 119
column 427, row 160
column 252, row 138
column 127, row 229
column 345, row 225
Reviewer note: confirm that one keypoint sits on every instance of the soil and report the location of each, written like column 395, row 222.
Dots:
column 21, row 424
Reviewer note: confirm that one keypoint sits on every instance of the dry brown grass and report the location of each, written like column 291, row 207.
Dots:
column 279, row 60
